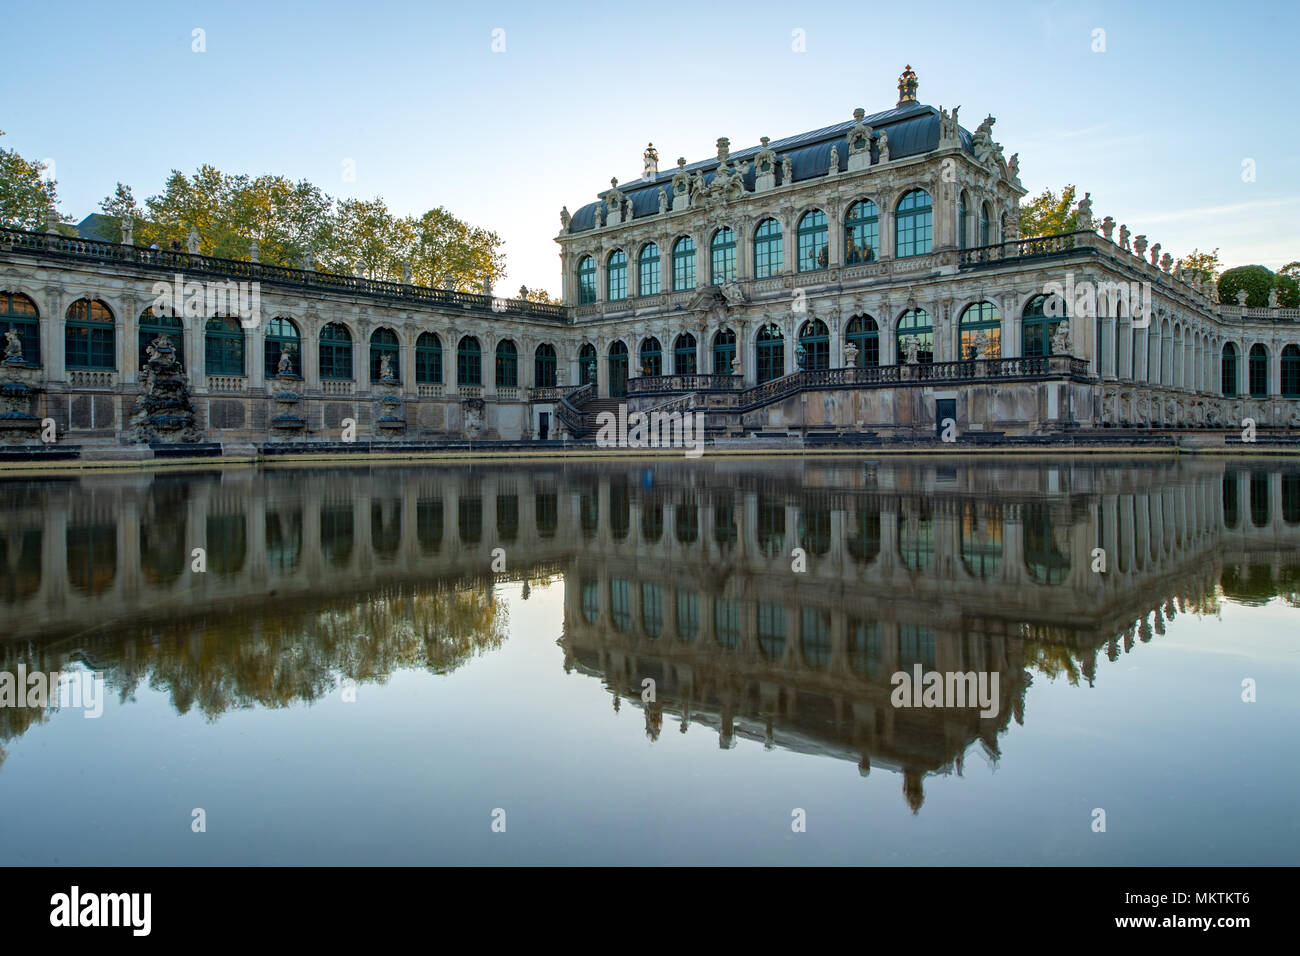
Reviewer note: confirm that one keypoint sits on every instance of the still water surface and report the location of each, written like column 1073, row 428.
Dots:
column 355, row 679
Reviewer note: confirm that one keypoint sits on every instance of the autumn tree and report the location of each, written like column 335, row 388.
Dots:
column 25, row 195
column 1048, row 214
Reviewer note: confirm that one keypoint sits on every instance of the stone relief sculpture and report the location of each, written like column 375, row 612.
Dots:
column 386, row 368
column 13, row 346
column 911, row 348
column 1061, row 339
column 285, row 365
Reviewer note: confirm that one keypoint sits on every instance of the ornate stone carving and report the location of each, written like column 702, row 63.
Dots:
column 1140, row 246
column 907, row 86
column 883, row 141
column 651, row 160
column 1108, row 227
column 565, row 218
column 1155, row 255
column 192, row 241
column 128, row 228
column 1123, row 237
column 1083, row 217
column 13, row 346
column 663, row 200
column 1061, row 339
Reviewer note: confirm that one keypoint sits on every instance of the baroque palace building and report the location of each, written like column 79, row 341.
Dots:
column 866, row 276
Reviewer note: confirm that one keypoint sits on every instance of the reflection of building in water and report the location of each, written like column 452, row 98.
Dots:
column 679, row 574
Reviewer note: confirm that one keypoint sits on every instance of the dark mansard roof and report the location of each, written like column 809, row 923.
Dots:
column 913, row 128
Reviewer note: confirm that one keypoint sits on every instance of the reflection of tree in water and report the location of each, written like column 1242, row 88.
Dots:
column 276, row 658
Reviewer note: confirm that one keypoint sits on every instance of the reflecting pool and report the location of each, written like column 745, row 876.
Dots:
column 654, row 662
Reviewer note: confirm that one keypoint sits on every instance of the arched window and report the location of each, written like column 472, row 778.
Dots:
column 384, row 342
column 617, row 370
column 507, row 370
column 1258, row 371
column 815, row 341
column 652, row 357
column 684, row 355
column 962, row 238
column 913, row 224
column 865, row 334
column 616, row 276
column 545, row 365
column 281, row 336
column 89, row 336
column 916, row 322
column 684, row 264
column 1041, row 317
column 648, row 270
column 153, row 325
column 767, row 249
column 722, row 263
column 1046, row 561
column 724, row 351
column 223, row 346
column 985, row 215
column 812, row 253
column 861, row 232
column 586, row 280
column 428, row 359
column 19, row 313
column 1291, row 372
column 587, row 365
column 335, row 352
column 982, row 317
column 769, row 350
column 469, row 362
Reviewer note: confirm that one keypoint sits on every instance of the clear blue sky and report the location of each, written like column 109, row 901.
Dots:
column 1156, row 127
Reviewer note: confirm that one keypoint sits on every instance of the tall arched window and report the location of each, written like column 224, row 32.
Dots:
column 861, row 232
column 724, row 351
column 769, row 350
column 864, row 333
column 507, row 365
column 335, row 352
column 19, row 313
column 913, row 224
column 281, row 336
column 652, row 357
column 586, row 280
column 684, row 355
column 153, row 325
column 984, row 224
column 812, row 253
column 428, row 359
column 648, row 270
column 684, row 264
column 1291, row 372
column 384, row 342
column 223, row 346
column 1039, row 321
column 916, row 322
column 587, row 374
column 616, row 276
column 545, row 365
column 767, row 249
column 962, row 238
column 722, row 257
column 89, row 336
column 1258, row 371
column 469, row 362
column 617, row 369
column 816, row 343
column 982, row 317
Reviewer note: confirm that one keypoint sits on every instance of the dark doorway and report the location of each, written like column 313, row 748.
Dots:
column 944, row 408
column 543, row 425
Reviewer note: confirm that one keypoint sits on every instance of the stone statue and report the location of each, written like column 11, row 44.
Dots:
column 1242, row 295
column 308, row 257
column 52, row 221
column 1061, row 339
column 835, row 160
column 787, row 174
column 850, row 355
column 1140, row 246
column 254, row 251
column 1108, row 227
column 735, row 364
column 406, row 273
column 192, row 241
column 487, row 285
column 523, row 292
column 724, row 149
column 1155, row 255
column 1083, row 218
column 627, row 216
column 13, row 346
column 128, row 227
column 358, row 268
column 663, row 200
column 385, row 367
column 1014, row 166
column 1272, row 298
column 285, row 365
column 883, row 141
column 1123, row 237
column 911, row 348
column 448, row 281
column 651, row 158
column 565, row 218
column 981, row 345
column 1167, row 262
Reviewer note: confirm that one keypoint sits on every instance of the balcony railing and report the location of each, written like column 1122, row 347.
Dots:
column 654, row 384
column 170, row 261
column 1020, row 248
